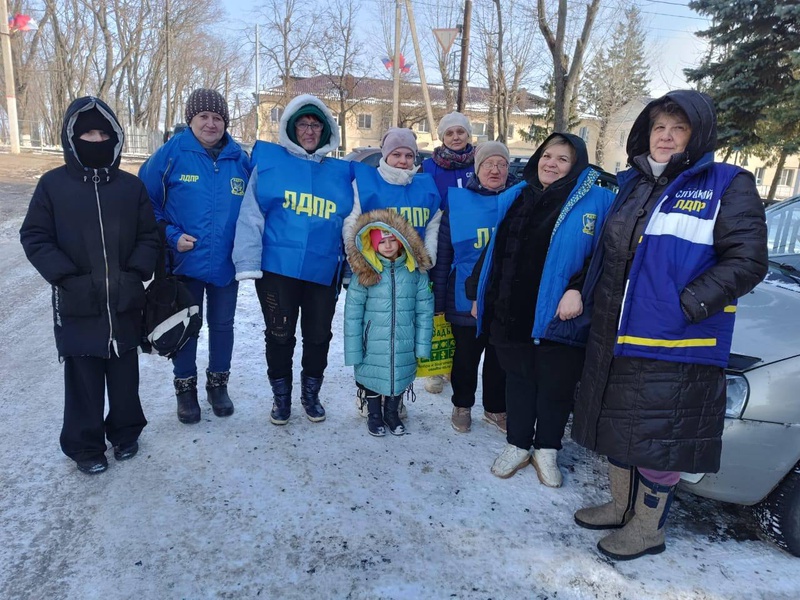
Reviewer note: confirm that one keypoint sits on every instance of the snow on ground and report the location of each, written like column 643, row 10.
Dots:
column 239, row 508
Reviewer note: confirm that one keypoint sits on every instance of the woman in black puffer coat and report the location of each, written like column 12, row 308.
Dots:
column 91, row 233
column 684, row 239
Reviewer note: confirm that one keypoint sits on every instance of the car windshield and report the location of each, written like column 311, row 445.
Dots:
column 783, row 223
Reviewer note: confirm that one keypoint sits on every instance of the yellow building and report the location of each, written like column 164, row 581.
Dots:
column 369, row 112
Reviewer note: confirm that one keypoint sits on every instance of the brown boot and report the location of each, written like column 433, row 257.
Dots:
column 614, row 514
column 644, row 534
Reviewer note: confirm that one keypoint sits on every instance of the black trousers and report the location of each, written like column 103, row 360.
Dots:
column 282, row 300
column 540, row 389
column 464, row 376
column 85, row 382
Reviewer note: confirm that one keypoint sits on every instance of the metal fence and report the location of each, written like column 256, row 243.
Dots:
column 36, row 135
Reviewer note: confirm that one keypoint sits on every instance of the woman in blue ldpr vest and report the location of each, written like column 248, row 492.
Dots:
column 196, row 182
column 396, row 185
column 452, row 166
column 289, row 239
column 528, row 298
column 467, row 225
column 684, row 239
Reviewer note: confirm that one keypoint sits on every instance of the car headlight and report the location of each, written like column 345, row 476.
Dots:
column 738, row 391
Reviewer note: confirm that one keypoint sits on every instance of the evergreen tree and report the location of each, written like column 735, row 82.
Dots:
column 753, row 73
column 617, row 76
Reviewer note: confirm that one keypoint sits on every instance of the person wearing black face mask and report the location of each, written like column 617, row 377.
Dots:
column 91, row 233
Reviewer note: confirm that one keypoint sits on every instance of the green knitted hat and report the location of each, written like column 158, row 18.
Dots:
column 314, row 111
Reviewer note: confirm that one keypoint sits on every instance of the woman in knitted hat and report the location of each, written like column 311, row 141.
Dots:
column 196, row 183
column 396, row 185
column 289, row 239
column 466, row 225
column 452, row 166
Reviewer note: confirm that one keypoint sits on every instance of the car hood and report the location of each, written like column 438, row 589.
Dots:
column 768, row 321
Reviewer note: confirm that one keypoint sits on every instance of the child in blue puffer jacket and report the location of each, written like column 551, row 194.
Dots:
column 388, row 318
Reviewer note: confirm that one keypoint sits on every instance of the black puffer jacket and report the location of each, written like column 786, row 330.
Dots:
column 658, row 414
column 92, row 235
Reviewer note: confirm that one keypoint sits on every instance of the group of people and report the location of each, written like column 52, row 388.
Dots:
column 616, row 307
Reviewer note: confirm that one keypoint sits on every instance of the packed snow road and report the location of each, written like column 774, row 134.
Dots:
column 239, row 508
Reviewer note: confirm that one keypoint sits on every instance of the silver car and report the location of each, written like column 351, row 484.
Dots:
column 760, row 462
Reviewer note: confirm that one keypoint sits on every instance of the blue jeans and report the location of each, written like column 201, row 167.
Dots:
column 221, row 307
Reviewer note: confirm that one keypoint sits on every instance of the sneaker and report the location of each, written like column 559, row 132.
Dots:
column 511, row 460
column 92, row 466
column 544, row 461
column 496, row 419
column 126, row 451
column 434, row 384
column 461, row 419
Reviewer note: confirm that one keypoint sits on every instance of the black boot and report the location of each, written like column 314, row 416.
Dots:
column 309, row 396
column 281, row 400
column 390, row 416
column 186, row 393
column 217, row 393
column 374, row 417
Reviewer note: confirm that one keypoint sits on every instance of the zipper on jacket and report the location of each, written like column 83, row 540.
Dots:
column 391, row 335
column 164, row 186
column 111, row 341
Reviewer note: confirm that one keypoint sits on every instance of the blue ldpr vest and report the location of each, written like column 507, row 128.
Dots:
column 417, row 202
column 304, row 204
column 473, row 218
column 447, row 178
column 677, row 246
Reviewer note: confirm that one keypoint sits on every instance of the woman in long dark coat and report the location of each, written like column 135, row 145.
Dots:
column 684, row 239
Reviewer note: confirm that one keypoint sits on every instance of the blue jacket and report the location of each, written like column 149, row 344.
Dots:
column 447, row 178
column 194, row 194
column 677, row 246
column 573, row 240
column 388, row 315
column 291, row 219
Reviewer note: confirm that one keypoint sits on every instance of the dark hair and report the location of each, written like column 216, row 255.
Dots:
column 668, row 107
column 558, row 140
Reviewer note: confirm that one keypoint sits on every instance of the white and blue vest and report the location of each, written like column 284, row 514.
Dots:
column 417, row 202
column 447, row 178
column 676, row 247
column 304, row 204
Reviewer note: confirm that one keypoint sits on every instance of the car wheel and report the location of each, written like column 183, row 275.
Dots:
column 779, row 514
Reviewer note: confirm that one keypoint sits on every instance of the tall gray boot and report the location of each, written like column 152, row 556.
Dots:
column 614, row 514
column 644, row 534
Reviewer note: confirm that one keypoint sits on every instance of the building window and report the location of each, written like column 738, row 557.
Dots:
column 787, row 177
column 423, row 126
column 759, row 174
column 510, row 132
column 275, row 114
column 622, row 138
column 478, row 128
column 583, row 133
column 617, row 166
column 364, row 121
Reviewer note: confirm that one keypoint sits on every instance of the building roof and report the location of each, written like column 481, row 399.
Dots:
column 375, row 90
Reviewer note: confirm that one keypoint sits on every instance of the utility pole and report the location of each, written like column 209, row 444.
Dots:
column 462, row 79
column 8, row 66
column 418, row 52
column 395, row 65
column 167, row 116
column 258, row 98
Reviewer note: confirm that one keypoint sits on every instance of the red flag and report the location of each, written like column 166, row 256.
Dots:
column 22, row 23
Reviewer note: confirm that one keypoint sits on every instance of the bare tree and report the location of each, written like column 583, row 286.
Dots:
column 290, row 28
column 566, row 72
column 338, row 57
